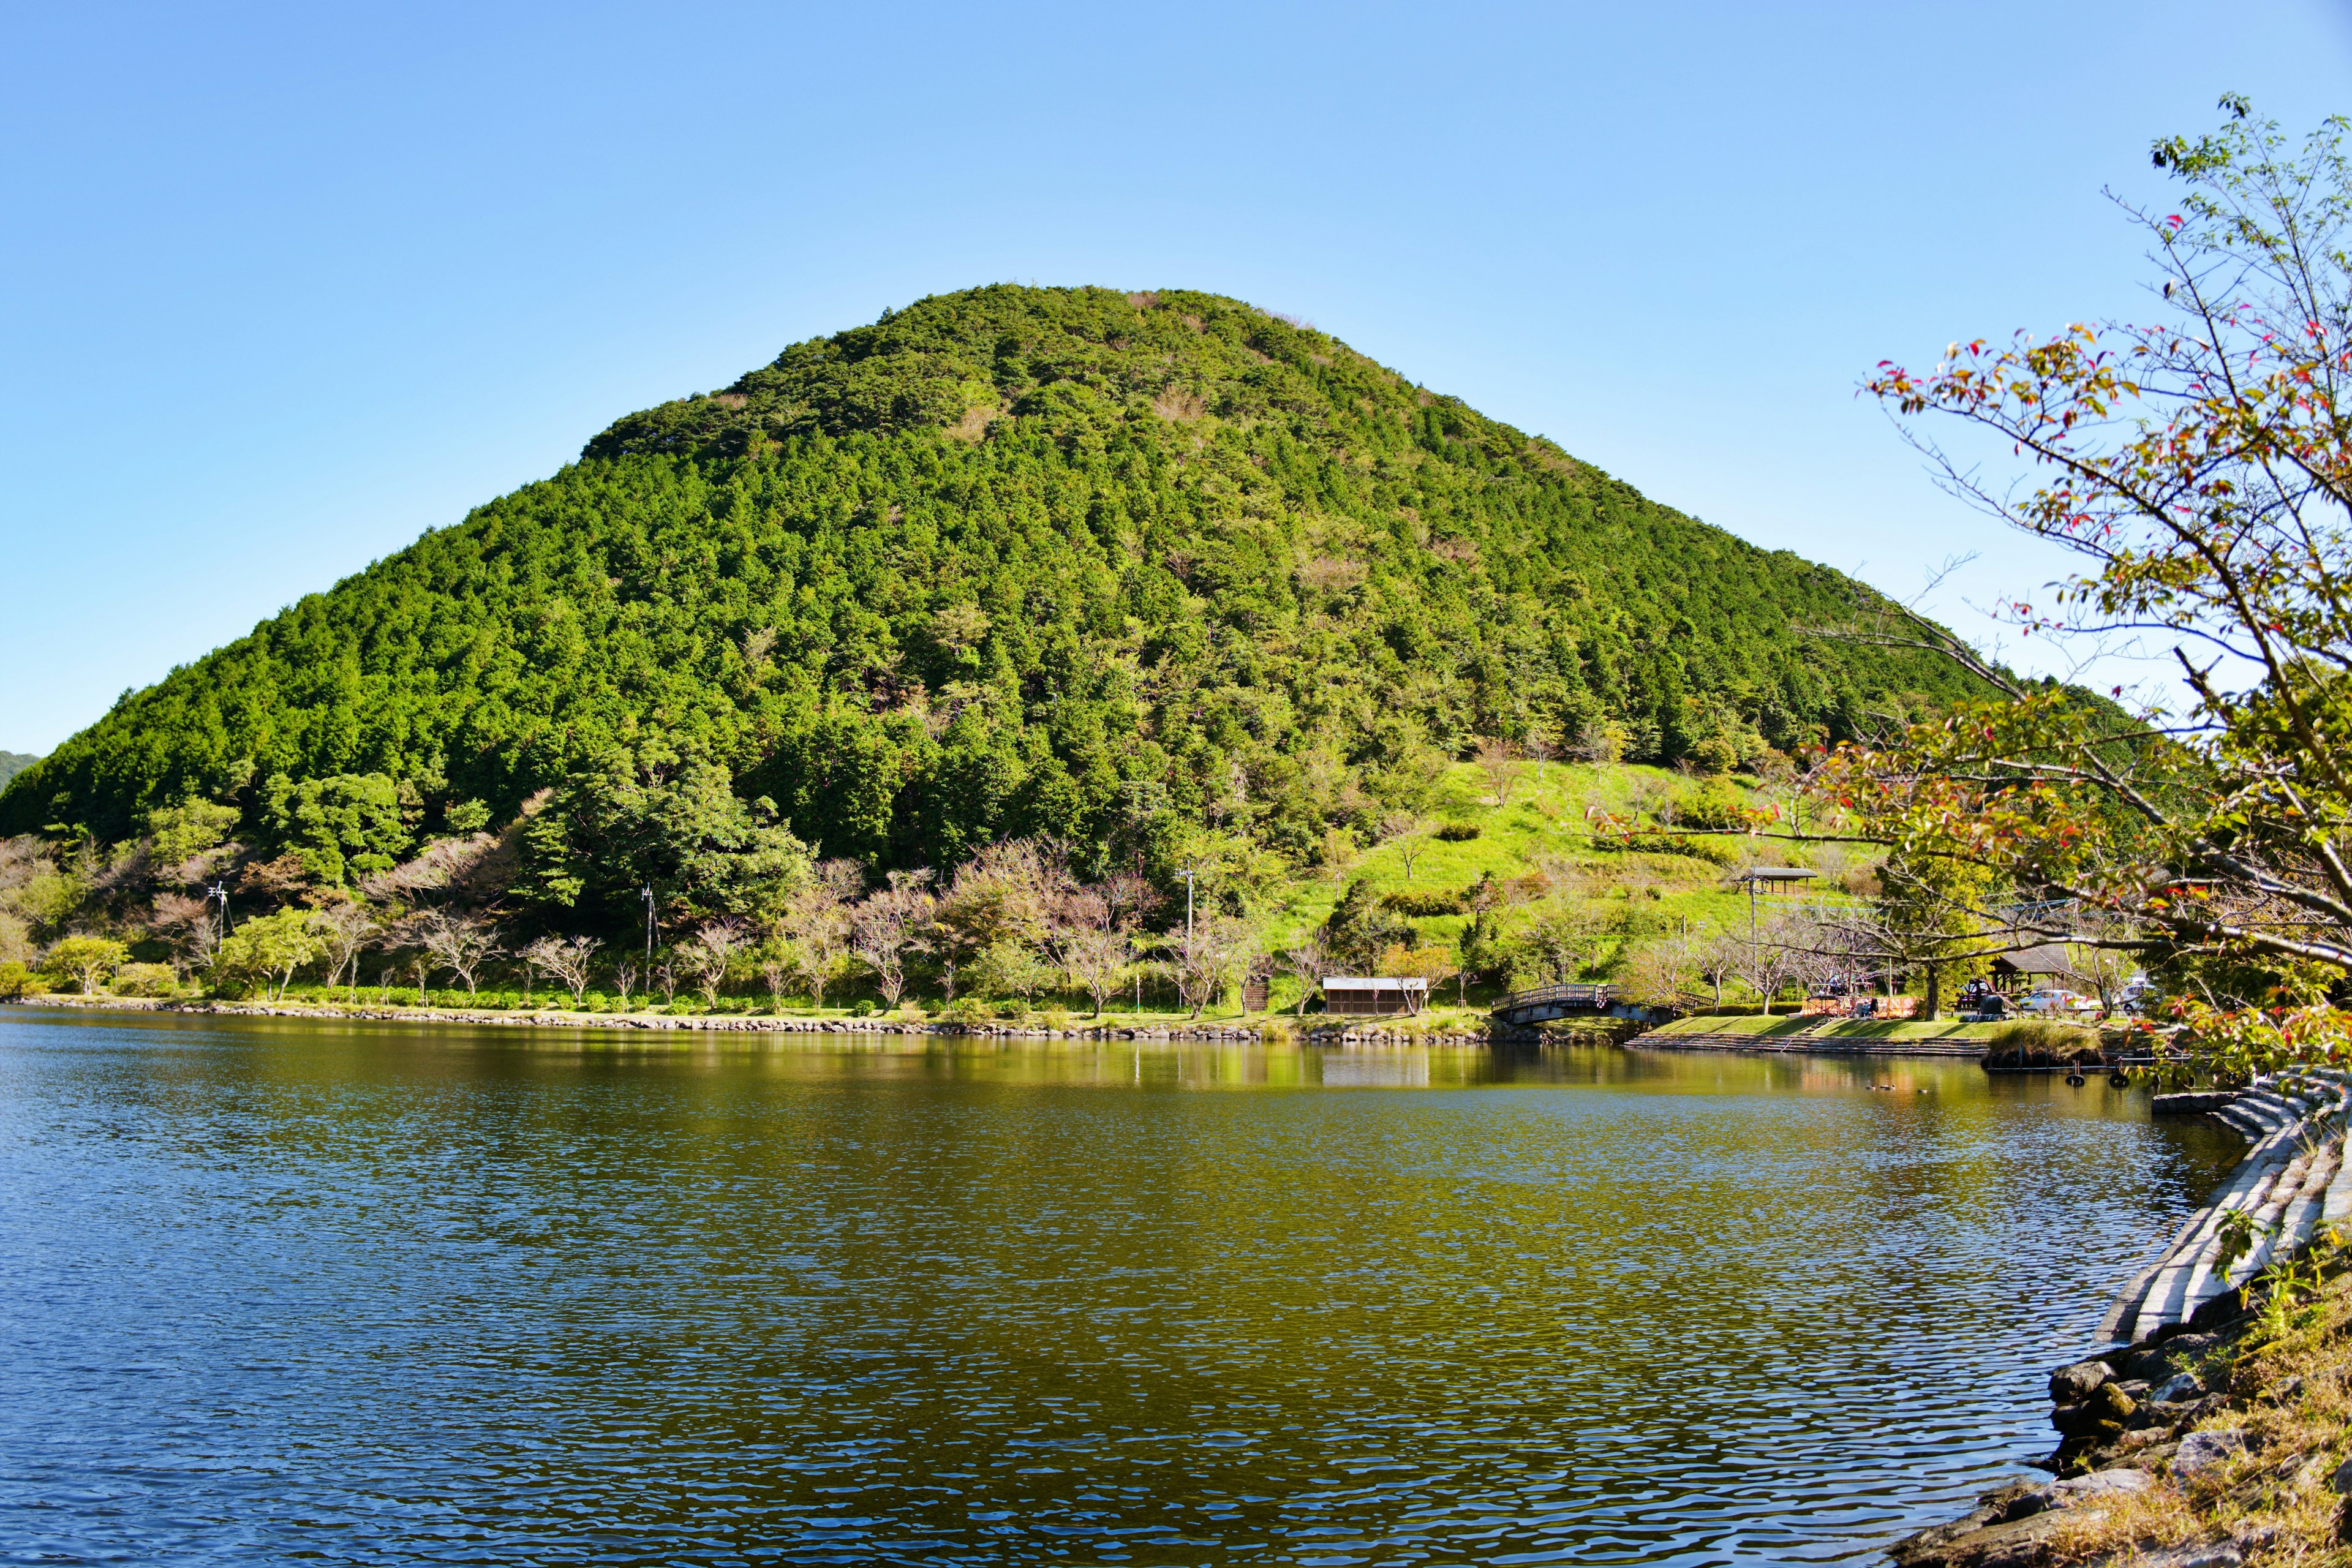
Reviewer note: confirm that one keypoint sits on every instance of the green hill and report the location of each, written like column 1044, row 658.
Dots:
column 14, row 762
column 1011, row 561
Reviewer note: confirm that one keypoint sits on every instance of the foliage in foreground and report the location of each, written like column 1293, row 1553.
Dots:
column 2201, row 467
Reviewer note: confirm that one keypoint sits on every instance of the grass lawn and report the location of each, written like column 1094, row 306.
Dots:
column 1759, row 1027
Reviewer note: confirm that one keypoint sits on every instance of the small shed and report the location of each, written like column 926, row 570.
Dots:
column 1365, row 995
column 1772, row 879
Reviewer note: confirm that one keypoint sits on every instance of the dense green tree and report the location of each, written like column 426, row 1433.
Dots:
column 85, row 960
column 680, row 831
column 345, row 826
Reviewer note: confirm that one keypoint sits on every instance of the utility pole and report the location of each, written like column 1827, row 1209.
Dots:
column 648, row 890
column 219, row 890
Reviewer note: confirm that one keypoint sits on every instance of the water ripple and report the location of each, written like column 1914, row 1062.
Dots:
column 386, row 1297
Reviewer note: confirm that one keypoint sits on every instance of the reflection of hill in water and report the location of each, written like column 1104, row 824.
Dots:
column 969, row 1304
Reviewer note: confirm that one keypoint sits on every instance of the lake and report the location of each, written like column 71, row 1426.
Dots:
column 278, row 1291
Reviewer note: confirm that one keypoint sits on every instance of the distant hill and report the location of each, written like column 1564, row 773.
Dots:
column 1010, row 561
column 14, row 762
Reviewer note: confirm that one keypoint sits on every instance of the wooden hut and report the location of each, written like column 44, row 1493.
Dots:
column 2048, row 964
column 1363, row 996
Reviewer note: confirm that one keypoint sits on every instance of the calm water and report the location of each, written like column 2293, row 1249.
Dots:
column 293, row 1293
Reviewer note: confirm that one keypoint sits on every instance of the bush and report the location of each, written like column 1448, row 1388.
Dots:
column 145, row 980
column 17, row 981
column 2041, row 1042
column 1425, row 904
column 1458, row 832
column 1714, row 851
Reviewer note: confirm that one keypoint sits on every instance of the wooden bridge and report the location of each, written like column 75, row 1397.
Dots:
column 1545, row 1002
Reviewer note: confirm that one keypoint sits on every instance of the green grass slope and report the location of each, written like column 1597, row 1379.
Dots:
column 1111, row 566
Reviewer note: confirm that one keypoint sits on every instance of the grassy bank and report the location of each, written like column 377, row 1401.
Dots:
column 1448, row 1023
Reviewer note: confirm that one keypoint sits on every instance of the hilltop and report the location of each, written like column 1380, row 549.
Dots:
column 1107, row 566
column 14, row 762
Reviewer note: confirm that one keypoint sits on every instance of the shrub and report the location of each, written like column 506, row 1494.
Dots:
column 2041, row 1042
column 145, row 980
column 1456, row 832
column 17, row 981
column 1423, row 904
column 1714, row 851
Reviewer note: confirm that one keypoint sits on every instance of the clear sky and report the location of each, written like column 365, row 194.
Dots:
column 284, row 286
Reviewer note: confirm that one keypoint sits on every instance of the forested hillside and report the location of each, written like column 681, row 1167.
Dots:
column 1102, row 566
column 14, row 762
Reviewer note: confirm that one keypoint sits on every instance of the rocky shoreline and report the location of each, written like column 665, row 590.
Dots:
column 1329, row 1038
column 2128, row 1422
column 2214, row 1437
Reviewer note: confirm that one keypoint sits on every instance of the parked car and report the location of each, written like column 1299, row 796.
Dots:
column 2051, row 1003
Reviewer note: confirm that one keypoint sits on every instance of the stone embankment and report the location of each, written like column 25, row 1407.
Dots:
column 1351, row 1038
column 2292, row 1180
column 2176, row 1428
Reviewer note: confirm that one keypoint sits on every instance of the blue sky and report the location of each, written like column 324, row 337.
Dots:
column 287, row 286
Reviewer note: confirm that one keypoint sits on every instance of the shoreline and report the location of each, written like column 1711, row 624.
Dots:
column 1353, row 1034
column 756, row 1024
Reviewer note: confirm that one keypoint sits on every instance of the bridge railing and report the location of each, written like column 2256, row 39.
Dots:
column 1566, row 996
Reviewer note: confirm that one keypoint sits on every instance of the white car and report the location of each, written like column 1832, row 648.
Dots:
column 2054, row 1003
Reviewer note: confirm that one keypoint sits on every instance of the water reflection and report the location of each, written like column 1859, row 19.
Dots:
column 405, row 1296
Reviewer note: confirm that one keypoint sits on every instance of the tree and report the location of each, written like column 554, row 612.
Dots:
column 1095, row 948
column 1308, row 958
column 2106, row 962
column 2201, row 468
column 341, row 827
column 85, row 960
column 272, row 948
column 459, row 944
column 1937, row 916
column 679, row 828
column 1542, row 741
column 626, row 971
column 997, row 909
column 1560, row 942
column 1404, row 829
column 1203, row 960
column 886, row 925
column 708, row 952
column 1715, row 958
column 1660, row 971
column 566, row 961
column 1497, row 761
column 1774, row 954
column 818, row 920
column 1434, row 965
column 185, row 839
column 344, row 930
column 192, row 925
column 1600, row 742
column 1360, row 927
